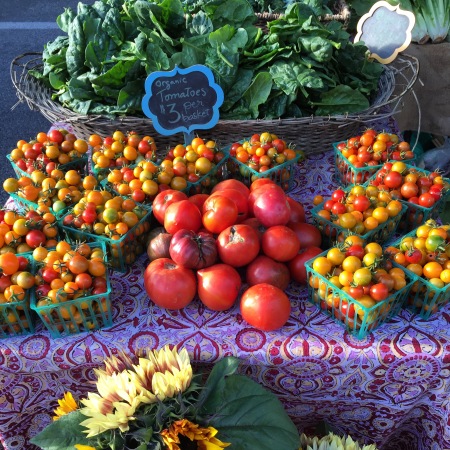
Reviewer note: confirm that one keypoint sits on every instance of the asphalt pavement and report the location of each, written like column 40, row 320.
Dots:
column 25, row 26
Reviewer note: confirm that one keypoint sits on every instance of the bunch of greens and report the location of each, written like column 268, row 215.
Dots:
column 432, row 19
column 298, row 68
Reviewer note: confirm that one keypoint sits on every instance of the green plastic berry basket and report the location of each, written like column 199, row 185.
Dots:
column 347, row 174
column 147, row 203
column 122, row 252
column 282, row 174
column 358, row 319
column 332, row 232
column 424, row 298
column 16, row 318
column 86, row 313
column 416, row 215
column 79, row 164
column 205, row 184
column 24, row 204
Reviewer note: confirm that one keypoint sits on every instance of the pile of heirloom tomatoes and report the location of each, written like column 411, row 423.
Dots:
column 236, row 238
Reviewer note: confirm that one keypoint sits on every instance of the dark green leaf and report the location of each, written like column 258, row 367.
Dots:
column 65, row 19
column 193, row 50
column 56, row 81
column 113, row 26
column 251, row 417
column 341, row 100
column 62, row 434
column 258, row 92
column 80, row 89
column 76, row 47
column 318, row 48
column 100, row 8
column 207, row 400
column 91, row 27
column 130, row 96
column 156, row 59
column 243, row 80
column 115, row 75
column 201, row 24
column 237, row 13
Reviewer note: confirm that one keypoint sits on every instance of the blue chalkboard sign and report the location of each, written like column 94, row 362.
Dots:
column 182, row 100
column 386, row 31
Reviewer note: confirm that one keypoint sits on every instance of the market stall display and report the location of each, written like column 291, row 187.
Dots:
column 225, row 276
column 388, row 388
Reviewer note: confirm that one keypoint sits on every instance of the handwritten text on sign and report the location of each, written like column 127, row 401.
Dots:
column 182, row 100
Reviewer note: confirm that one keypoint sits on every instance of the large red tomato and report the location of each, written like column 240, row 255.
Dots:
column 219, row 212
column 163, row 200
column 258, row 191
column 182, row 215
column 271, row 206
column 193, row 250
column 266, row 270
column 260, row 182
column 218, row 286
column 239, row 198
column 308, row 235
column 256, row 224
column 198, row 199
column 280, row 243
column 265, row 307
column 169, row 285
column 231, row 183
column 238, row 245
column 297, row 211
column 297, row 264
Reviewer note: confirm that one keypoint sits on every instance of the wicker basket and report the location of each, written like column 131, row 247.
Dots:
column 313, row 134
column 340, row 13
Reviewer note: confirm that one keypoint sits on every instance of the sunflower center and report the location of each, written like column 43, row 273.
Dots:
column 186, row 443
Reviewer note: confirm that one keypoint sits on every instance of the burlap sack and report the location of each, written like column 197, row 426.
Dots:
column 432, row 89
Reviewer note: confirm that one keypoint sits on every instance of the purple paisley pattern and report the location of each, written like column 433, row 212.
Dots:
column 391, row 388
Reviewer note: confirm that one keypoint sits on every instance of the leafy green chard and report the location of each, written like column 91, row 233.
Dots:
column 299, row 67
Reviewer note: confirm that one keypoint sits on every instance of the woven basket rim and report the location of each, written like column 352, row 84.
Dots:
column 38, row 96
column 342, row 15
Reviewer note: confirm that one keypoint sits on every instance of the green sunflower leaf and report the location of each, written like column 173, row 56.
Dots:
column 62, row 434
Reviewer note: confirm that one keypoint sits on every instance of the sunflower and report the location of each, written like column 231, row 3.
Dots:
column 84, row 447
column 66, row 405
column 192, row 436
column 124, row 386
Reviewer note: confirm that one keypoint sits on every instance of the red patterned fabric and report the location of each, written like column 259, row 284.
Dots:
column 391, row 388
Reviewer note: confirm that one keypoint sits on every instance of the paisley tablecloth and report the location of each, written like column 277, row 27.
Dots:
column 391, row 388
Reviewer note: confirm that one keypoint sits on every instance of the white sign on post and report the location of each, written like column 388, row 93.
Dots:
column 386, row 31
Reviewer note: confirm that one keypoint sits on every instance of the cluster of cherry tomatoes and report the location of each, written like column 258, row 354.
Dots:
column 121, row 220
column 16, row 280
column 70, row 283
column 56, row 190
column 208, row 241
column 22, row 232
column 413, row 186
column 48, row 151
column 359, row 210
column 260, row 155
column 425, row 252
column 369, row 282
column 369, row 150
column 120, row 150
